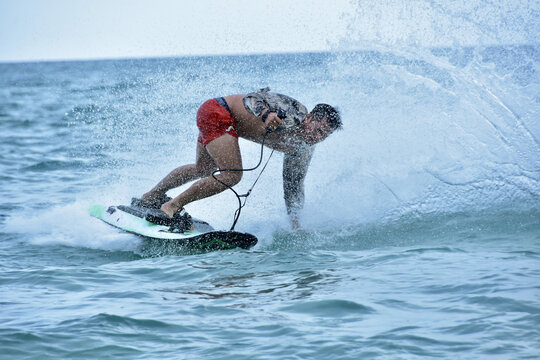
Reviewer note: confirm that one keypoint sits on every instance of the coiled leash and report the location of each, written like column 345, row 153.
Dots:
column 281, row 114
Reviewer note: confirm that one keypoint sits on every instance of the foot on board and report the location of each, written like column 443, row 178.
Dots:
column 180, row 222
column 154, row 204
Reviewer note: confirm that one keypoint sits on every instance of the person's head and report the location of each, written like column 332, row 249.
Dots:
column 321, row 122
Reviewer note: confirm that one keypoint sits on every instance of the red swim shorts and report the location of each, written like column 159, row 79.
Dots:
column 213, row 121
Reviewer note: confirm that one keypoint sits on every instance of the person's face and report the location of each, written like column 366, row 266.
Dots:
column 315, row 130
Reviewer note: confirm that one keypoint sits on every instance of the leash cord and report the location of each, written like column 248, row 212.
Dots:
column 245, row 196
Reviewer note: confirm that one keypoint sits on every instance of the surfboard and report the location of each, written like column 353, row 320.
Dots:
column 201, row 236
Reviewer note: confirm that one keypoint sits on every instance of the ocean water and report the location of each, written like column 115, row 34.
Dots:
column 421, row 229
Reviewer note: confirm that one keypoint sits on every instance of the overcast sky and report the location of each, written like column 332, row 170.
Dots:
column 82, row 29
column 90, row 29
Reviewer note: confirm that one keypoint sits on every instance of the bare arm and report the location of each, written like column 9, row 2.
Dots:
column 295, row 166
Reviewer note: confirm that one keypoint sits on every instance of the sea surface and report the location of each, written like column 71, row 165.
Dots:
column 421, row 228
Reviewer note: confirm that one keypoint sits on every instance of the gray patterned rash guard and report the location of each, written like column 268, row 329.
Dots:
column 257, row 102
column 296, row 163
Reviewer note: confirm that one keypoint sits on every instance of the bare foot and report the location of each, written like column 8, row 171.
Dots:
column 169, row 209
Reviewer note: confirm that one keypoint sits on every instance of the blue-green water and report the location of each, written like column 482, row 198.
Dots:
column 421, row 226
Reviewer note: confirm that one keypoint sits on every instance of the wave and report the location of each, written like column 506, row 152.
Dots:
column 426, row 132
column 422, row 232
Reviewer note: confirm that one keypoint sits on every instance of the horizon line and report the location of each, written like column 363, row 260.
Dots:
column 373, row 47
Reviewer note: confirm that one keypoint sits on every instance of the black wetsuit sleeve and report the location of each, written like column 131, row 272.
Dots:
column 295, row 166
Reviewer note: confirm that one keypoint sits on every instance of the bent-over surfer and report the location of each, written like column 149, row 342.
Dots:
column 222, row 121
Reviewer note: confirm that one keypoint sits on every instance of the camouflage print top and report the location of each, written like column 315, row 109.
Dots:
column 296, row 163
column 257, row 102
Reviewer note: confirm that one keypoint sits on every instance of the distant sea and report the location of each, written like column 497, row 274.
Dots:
column 421, row 228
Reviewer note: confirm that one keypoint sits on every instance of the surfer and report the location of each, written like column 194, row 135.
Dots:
column 280, row 121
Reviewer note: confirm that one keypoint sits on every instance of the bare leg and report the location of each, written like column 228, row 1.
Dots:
column 203, row 167
column 225, row 152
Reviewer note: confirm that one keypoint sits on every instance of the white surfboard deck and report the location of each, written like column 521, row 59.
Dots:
column 202, row 235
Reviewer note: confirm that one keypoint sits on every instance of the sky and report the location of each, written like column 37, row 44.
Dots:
column 33, row 30
column 89, row 29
